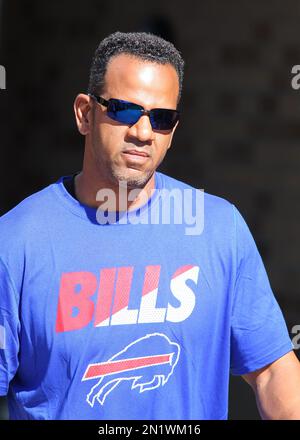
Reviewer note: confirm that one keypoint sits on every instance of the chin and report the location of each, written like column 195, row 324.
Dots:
column 133, row 178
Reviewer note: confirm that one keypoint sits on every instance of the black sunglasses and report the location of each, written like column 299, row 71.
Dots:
column 129, row 113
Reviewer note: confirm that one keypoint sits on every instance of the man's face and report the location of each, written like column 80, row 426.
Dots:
column 132, row 153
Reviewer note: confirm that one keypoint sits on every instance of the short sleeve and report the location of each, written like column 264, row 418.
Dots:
column 259, row 335
column 9, row 330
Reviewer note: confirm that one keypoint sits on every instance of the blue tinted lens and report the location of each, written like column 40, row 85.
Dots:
column 123, row 111
column 129, row 113
column 163, row 119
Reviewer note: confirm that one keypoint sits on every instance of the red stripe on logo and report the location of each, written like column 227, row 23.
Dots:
column 110, row 367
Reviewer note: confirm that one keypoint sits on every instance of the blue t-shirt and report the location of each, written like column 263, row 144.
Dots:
column 138, row 318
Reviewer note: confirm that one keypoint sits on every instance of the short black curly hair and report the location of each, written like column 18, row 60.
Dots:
column 146, row 46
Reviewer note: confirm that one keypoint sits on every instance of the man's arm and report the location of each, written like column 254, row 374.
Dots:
column 277, row 388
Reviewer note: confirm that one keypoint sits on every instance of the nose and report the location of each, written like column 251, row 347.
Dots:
column 142, row 130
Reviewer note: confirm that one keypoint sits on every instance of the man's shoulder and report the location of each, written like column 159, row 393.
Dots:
column 28, row 212
column 22, row 229
column 211, row 201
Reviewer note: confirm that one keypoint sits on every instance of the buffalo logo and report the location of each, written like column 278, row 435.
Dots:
column 146, row 372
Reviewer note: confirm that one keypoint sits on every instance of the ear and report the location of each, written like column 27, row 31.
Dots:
column 82, row 110
column 172, row 134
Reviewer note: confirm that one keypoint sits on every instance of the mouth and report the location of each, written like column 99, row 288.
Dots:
column 135, row 158
column 138, row 153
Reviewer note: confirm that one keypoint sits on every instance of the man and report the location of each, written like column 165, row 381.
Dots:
column 106, row 314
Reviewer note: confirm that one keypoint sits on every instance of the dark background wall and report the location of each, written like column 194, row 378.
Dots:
column 240, row 130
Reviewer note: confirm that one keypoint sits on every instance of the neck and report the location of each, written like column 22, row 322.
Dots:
column 92, row 191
